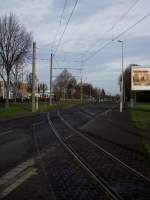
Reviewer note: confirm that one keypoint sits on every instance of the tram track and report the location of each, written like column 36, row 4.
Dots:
column 72, row 165
column 124, row 180
column 101, row 131
column 137, row 173
column 63, row 172
column 108, row 191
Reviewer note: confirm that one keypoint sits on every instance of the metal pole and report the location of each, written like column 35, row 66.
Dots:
column 124, row 99
column 37, row 97
column 122, row 81
column 33, row 77
column 90, row 94
column 50, row 87
column 122, row 78
column 135, row 97
column 81, row 93
column 22, row 87
column 64, row 94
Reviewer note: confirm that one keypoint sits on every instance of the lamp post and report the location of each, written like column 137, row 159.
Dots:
column 50, row 86
column 122, row 81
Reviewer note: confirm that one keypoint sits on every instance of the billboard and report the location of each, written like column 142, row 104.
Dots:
column 140, row 78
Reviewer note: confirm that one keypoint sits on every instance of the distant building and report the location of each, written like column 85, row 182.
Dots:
column 22, row 90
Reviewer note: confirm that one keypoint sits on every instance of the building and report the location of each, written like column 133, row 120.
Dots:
column 23, row 91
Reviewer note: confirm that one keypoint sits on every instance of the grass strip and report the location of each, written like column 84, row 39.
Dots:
column 141, row 119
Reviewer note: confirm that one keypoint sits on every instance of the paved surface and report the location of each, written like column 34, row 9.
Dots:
column 125, row 183
column 16, row 144
column 115, row 133
column 33, row 188
column 58, row 175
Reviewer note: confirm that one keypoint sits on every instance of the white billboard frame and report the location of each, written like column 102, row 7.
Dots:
column 139, row 87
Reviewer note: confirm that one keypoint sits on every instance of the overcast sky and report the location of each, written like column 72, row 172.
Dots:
column 93, row 24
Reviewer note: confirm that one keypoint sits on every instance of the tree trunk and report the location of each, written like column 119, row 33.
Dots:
column 15, row 93
column 7, row 91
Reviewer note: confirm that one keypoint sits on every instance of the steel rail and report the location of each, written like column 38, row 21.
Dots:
column 98, row 179
column 138, row 174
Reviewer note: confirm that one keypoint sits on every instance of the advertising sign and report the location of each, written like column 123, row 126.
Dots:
column 140, row 78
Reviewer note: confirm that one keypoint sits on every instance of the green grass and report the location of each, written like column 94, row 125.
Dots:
column 20, row 110
column 141, row 119
column 14, row 111
column 44, row 107
column 141, row 116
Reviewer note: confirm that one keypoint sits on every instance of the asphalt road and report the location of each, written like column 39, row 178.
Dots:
column 16, row 136
column 16, row 144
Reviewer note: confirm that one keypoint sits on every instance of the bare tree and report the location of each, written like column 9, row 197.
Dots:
column 15, row 44
column 64, row 83
column 42, row 87
column 16, row 78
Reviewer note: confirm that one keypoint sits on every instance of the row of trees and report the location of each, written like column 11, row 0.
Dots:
column 66, row 86
column 40, row 87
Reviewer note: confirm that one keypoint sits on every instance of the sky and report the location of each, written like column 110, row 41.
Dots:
column 93, row 24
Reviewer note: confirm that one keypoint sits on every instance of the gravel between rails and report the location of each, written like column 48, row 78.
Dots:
column 107, row 131
column 126, row 184
column 67, row 179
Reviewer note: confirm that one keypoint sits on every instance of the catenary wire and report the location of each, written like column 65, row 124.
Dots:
column 117, row 37
column 60, row 23
column 65, row 28
column 112, row 27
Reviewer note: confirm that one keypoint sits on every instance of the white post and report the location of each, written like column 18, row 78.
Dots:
column 50, row 87
column 37, row 97
column 33, row 77
column 81, row 92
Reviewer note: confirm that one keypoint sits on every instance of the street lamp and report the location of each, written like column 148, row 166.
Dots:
column 122, row 81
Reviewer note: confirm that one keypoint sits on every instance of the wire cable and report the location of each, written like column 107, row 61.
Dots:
column 125, row 14
column 60, row 23
column 113, row 26
column 65, row 28
column 118, row 36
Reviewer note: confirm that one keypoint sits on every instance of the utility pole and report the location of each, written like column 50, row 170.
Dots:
column 33, row 77
column 134, row 96
column 122, row 81
column 90, row 94
column 81, row 89
column 50, row 86
column 124, row 93
column 99, row 95
column 64, row 93
column 22, row 87
column 81, row 92
column 37, row 96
